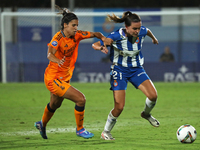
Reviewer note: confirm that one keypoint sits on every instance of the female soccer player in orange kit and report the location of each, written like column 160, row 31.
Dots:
column 62, row 53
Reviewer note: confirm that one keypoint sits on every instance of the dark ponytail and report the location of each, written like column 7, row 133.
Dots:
column 67, row 16
column 127, row 17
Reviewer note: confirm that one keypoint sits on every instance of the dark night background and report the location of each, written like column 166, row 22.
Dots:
column 101, row 3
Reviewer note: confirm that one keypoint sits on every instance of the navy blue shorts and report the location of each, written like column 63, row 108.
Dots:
column 121, row 75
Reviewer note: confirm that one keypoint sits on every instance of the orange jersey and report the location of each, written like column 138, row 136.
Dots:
column 67, row 47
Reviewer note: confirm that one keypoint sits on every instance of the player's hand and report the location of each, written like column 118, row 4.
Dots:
column 155, row 41
column 104, row 49
column 61, row 62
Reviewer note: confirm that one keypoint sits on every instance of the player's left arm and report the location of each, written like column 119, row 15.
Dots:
column 150, row 34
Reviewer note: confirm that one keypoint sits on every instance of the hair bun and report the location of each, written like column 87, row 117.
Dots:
column 66, row 10
column 63, row 11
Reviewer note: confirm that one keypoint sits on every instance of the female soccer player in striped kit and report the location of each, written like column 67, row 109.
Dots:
column 126, row 55
column 62, row 53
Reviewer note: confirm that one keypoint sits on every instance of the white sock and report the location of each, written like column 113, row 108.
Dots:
column 149, row 106
column 110, row 122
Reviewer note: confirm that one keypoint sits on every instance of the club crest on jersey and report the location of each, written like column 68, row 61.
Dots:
column 54, row 43
column 115, row 83
column 138, row 40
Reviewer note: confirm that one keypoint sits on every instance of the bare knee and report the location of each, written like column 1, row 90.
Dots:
column 55, row 104
column 153, row 96
column 118, row 109
column 81, row 100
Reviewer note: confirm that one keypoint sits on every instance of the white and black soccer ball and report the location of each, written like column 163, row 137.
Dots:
column 186, row 134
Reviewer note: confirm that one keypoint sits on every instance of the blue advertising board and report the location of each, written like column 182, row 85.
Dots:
column 34, row 33
column 167, row 72
column 100, row 72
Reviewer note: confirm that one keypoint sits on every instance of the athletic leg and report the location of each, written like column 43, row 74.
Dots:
column 79, row 99
column 119, row 100
column 149, row 90
column 55, row 103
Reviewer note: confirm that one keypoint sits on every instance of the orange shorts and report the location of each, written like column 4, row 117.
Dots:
column 56, row 86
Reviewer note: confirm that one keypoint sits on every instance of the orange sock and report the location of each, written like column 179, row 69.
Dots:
column 79, row 118
column 46, row 116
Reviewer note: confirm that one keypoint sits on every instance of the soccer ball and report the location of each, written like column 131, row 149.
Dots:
column 186, row 134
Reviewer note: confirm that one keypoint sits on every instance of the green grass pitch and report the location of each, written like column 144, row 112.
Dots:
column 22, row 104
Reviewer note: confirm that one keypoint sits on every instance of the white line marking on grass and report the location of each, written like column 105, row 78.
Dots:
column 90, row 128
column 36, row 131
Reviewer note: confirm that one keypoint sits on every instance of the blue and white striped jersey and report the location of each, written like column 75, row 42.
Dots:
column 126, row 51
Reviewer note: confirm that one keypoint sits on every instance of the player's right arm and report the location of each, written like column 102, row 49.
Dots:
column 51, row 56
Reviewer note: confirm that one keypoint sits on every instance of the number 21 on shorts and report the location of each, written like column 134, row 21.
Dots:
column 116, row 75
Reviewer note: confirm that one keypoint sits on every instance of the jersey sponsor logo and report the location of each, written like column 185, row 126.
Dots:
column 115, row 83
column 54, row 43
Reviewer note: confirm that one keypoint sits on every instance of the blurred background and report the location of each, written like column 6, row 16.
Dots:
column 26, row 30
